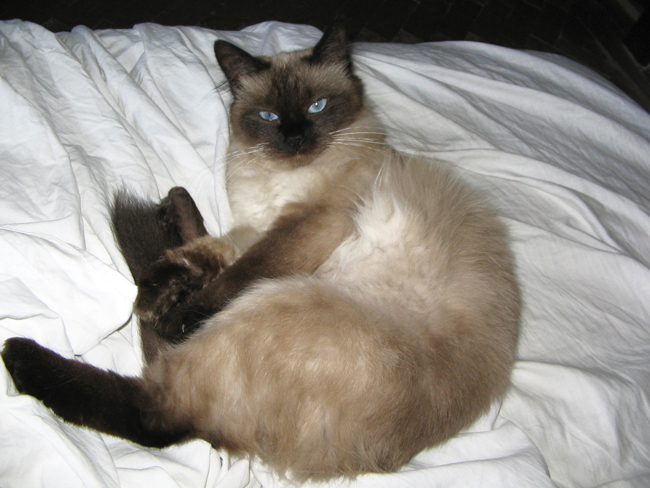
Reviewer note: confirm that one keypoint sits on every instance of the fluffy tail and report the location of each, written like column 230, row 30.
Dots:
column 87, row 396
column 144, row 230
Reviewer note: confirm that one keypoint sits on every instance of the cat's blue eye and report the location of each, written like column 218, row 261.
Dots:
column 268, row 116
column 318, row 106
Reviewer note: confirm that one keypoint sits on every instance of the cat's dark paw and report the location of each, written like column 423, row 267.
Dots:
column 83, row 394
column 180, row 217
column 164, row 285
column 32, row 367
column 165, row 296
column 180, row 322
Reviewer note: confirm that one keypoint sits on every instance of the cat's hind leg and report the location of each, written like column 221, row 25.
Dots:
column 87, row 396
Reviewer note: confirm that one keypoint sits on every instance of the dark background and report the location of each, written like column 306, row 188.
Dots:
column 610, row 36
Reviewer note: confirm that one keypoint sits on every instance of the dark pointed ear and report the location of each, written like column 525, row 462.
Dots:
column 236, row 62
column 333, row 47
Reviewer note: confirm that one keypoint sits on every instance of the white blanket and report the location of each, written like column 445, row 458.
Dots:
column 564, row 155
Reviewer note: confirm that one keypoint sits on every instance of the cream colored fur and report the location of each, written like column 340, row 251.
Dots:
column 401, row 337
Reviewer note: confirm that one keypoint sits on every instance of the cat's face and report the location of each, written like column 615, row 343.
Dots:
column 290, row 106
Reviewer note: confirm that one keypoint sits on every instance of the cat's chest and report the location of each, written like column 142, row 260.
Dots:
column 257, row 199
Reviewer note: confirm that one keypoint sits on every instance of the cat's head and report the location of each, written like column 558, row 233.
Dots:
column 290, row 105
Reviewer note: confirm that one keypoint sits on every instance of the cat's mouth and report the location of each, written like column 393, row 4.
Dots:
column 301, row 155
column 299, row 159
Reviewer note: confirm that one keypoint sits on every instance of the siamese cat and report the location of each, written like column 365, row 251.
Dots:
column 363, row 308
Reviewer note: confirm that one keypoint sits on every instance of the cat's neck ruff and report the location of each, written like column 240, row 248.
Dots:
column 259, row 185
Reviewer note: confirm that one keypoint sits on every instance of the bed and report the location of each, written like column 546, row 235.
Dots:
column 563, row 154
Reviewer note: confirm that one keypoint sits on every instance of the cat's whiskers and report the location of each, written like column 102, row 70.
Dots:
column 355, row 137
column 247, row 151
column 362, row 146
column 241, row 158
column 358, row 137
column 360, row 143
column 361, row 130
column 360, row 140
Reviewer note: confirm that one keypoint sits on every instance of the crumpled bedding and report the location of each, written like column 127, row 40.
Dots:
column 562, row 154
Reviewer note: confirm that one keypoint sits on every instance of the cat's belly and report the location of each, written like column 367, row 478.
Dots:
column 389, row 262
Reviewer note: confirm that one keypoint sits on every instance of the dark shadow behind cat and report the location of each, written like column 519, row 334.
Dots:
column 363, row 308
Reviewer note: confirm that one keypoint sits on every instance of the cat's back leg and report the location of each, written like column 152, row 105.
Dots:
column 88, row 396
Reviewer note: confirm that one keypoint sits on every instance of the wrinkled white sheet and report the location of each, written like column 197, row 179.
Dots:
column 564, row 155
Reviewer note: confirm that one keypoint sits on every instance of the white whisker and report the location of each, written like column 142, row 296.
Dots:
column 359, row 139
column 361, row 145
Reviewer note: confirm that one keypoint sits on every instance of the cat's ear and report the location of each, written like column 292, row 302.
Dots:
column 236, row 63
column 333, row 47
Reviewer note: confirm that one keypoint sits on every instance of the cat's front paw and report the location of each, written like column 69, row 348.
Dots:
column 169, row 284
column 164, row 285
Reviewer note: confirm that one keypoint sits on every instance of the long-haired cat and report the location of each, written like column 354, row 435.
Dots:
column 363, row 308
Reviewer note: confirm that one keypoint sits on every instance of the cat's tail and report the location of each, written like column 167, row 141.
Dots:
column 145, row 230
column 88, row 396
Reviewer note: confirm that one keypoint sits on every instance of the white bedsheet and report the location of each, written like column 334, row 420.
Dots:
column 563, row 154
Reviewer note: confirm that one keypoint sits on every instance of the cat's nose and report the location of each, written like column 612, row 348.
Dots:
column 294, row 135
column 295, row 141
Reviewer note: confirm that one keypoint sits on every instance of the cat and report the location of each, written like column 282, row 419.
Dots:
column 363, row 308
